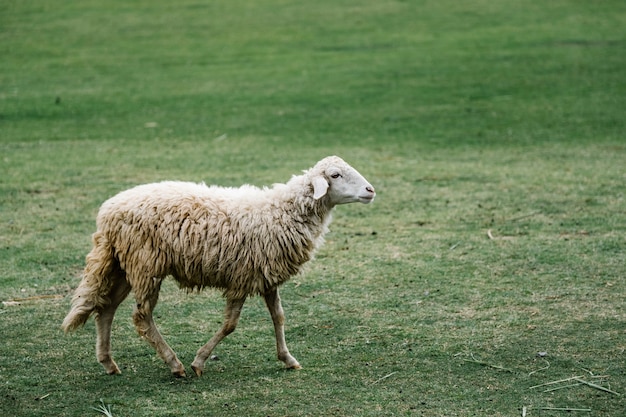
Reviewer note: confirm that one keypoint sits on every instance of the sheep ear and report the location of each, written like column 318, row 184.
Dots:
column 320, row 186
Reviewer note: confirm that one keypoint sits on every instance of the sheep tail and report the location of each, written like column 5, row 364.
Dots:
column 93, row 291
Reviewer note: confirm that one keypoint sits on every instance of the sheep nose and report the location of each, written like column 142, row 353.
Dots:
column 370, row 189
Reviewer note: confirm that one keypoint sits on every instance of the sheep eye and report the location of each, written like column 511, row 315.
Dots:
column 335, row 175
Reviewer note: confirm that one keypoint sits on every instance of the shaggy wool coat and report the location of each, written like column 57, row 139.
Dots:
column 241, row 240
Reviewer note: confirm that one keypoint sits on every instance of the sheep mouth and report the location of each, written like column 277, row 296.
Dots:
column 366, row 199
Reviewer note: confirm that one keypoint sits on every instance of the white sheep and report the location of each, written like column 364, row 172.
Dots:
column 245, row 241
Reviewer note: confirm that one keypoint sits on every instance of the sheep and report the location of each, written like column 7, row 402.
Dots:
column 243, row 241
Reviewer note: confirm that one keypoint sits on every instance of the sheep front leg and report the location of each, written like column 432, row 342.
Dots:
column 231, row 318
column 272, row 300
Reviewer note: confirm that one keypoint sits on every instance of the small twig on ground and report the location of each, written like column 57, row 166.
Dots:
column 106, row 410
column 586, row 370
column 580, row 380
column 525, row 409
column 555, row 382
column 474, row 360
column 540, row 369
column 561, row 387
column 492, row 237
column 455, row 246
column 596, row 386
column 564, row 409
column 383, row 378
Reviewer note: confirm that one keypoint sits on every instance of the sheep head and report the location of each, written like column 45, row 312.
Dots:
column 333, row 177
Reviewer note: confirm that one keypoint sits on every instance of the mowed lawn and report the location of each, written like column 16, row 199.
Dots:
column 487, row 279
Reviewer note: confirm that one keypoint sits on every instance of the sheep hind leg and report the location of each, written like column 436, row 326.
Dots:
column 231, row 318
column 104, row 319
column 272, row 300
column 144, row 323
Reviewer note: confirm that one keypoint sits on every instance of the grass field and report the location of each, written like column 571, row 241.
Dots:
column 491, row 263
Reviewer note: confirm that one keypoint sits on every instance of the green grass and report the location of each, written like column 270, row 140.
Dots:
column 470, row 118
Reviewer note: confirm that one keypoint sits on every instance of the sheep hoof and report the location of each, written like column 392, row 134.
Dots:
column 197, row 370
column 110, row 366
column 289, row 361
column 179, row 374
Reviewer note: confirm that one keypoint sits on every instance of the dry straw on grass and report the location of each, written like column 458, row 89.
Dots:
column 104, row 409
column 580, row 381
